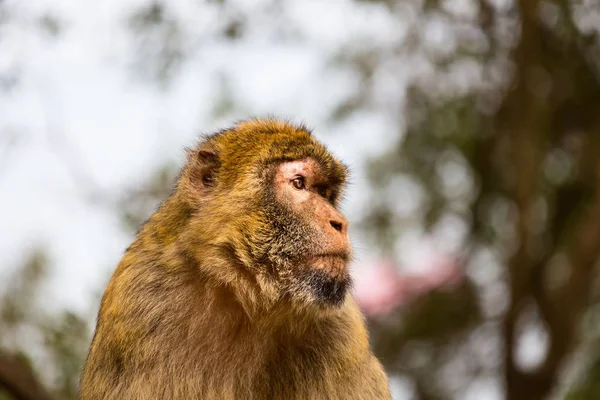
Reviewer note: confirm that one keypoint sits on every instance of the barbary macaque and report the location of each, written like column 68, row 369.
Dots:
column 237, row 287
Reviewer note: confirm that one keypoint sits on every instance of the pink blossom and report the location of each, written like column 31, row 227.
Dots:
column 381, row 288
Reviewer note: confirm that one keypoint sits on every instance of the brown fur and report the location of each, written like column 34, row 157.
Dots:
column 204, row 305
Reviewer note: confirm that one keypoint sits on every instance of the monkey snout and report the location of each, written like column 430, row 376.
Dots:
column 336, row 222
column 336, row 225
column 339, row 224
column 336, row 239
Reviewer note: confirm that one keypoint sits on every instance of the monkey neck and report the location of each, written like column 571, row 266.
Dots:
column 339, row 332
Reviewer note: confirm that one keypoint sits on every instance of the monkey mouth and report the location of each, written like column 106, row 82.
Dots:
column 333, row 264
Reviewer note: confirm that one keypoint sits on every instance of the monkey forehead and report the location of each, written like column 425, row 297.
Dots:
column 306, row 165
column 261, row 142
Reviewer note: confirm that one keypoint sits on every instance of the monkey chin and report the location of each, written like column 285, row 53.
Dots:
column 328, row 280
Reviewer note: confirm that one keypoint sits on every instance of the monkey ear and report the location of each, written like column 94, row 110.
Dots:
column 204, row 165
column 210, row 164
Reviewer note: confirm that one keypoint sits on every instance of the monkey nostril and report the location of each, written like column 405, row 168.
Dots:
column 338, row 226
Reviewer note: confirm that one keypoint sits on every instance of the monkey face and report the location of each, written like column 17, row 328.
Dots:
column 264, row 195
column 310, row 248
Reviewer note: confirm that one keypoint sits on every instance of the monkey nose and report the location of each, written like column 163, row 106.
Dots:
column 339, row 224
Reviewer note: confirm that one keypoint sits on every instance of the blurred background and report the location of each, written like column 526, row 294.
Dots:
column 472, row 129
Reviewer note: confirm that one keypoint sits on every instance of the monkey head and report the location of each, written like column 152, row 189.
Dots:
column 264, row 197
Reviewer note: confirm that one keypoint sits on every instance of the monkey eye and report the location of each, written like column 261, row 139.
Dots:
column 299, row 183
